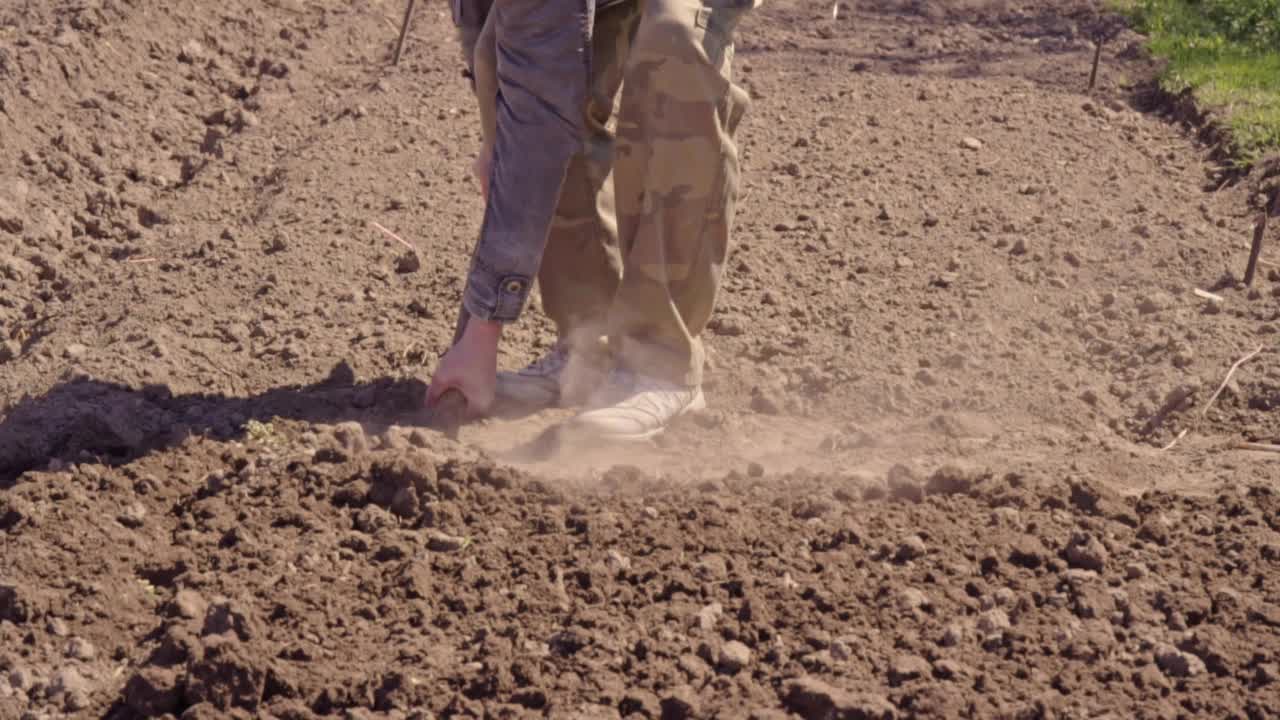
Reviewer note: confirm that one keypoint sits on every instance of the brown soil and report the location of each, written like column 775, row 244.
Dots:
column 959, row 327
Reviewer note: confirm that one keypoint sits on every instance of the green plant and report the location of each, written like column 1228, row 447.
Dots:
column 1227, row 52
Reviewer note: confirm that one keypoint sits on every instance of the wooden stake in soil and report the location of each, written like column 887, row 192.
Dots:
column 1259, row 232
column 404, row 31
column 1097, row 56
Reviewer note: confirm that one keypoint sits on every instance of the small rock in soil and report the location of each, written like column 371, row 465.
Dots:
column 191, row 51
column 133, row 516
column 946, row 669
column 842, row 649
column 971, row 143
column 909, row 549
column 1028, row 552
column 694, row 667
column 906, row 668
column 81, row 649
column 709, row 615
column 619, row 562
column 993, row 621
column 444, row 543
column 188, row 604
column 67, row 680
column 734, row 656
column 74, row 351
column 1086, row 552
column 912, row 599
column 1176, row 663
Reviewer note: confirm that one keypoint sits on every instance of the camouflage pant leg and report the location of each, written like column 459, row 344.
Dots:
column 676, row 181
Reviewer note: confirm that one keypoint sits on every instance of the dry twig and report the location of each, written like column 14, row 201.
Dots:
column 394, row 236
column 1212, row 398
column 1259, row 447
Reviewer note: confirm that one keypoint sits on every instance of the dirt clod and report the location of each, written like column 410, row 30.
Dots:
column 813, row 699
column 81, row 649
column 153, row 691
column 911, row 548
column 189, row 604
column 906, row 668
column 1176, row 663
column 734, row 656
column 680, row 703
column 1086, row 552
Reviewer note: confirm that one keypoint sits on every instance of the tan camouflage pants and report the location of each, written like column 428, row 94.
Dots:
column 633, row 261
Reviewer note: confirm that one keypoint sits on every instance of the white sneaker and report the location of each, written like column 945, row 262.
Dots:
column 558, row 377
column 634, row 407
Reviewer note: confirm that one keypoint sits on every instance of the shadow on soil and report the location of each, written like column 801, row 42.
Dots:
column 106, row 423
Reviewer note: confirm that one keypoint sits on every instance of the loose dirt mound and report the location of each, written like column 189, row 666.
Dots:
column 958, row 325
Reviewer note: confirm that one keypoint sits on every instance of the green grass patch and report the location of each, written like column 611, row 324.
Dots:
column 1227, row 52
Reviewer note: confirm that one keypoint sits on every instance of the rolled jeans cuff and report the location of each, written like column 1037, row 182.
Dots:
column 495, row 296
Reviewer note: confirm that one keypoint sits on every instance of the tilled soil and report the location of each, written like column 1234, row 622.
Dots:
column 958, row 333
column 312, row 576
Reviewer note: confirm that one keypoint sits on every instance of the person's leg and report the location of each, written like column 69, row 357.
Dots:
column 676, row 178
column 581, row 266
column 676, row 175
